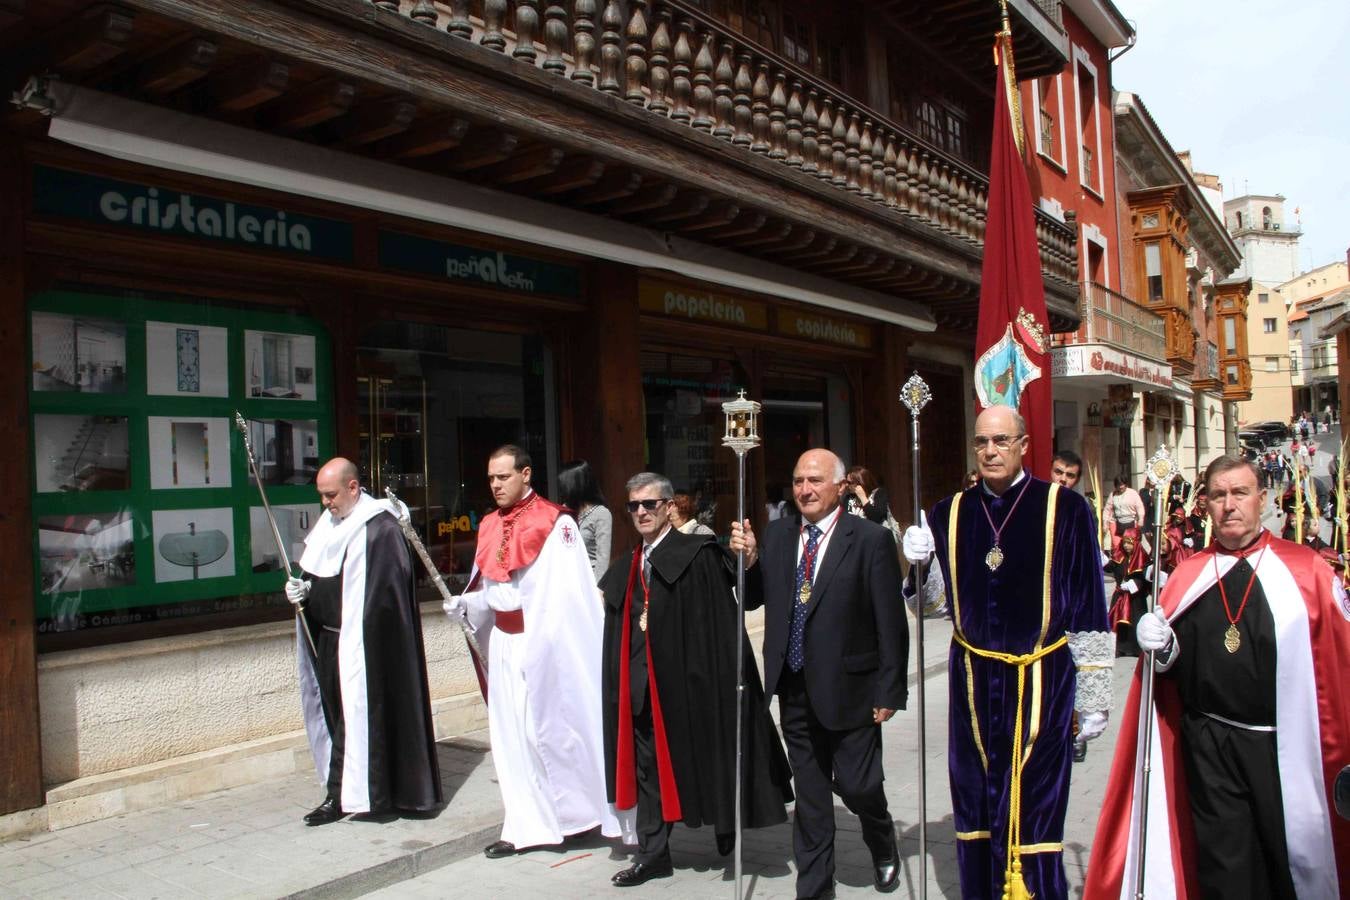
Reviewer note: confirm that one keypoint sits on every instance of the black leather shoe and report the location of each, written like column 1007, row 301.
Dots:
column 325, row 813
column 500, row 850
column 726, row 843
column 641, row 873
column 886, row 871
column 1080, row 751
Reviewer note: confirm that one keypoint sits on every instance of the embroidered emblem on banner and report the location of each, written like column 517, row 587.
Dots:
column 1004, row 370
column 569, row 537
column 1342, row 600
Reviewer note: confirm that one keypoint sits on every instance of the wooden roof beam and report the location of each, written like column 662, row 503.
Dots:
column 774, row 235
column 524, row 166
column 424, row 139
column 690, row 206
column 101, row 35
column 719, row 216
column 575, row 172
column 250, row 84
column 655, row 196
column 746, row 224
column 615, row 185
column 312, row 106
column 178, row 66
column 482, row 148
column 375, row 121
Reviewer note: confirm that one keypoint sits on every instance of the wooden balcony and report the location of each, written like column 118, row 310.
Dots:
column 1112, row 318
column 1206, row 373
column 1237, row 379
column 647, row 111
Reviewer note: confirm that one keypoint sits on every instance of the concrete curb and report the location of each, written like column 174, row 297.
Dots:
column 395, row 871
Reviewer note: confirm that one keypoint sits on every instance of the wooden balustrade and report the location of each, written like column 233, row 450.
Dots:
column 677, row 63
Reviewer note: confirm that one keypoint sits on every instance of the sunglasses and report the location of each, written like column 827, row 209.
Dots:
column 648, row 505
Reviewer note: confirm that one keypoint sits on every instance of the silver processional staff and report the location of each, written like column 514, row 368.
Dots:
column 742, row 435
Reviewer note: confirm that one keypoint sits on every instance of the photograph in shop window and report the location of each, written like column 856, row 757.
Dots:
column 145, row 508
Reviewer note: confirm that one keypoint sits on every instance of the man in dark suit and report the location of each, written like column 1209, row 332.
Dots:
column 836, row 645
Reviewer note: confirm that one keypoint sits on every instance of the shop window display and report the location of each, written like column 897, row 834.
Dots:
column 143, row 506
column 433, row 402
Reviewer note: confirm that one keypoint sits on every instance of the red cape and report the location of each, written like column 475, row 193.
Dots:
column 531, row 523
column 1313, row 734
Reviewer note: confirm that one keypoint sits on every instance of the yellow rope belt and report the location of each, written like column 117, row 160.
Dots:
column 1014, row 887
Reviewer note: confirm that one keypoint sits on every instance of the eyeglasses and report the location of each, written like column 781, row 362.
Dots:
column 648, row 505
column 1000, row 441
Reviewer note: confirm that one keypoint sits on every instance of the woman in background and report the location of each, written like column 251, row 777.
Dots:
column 682, row 516
column 865, row 497
column 578, row 491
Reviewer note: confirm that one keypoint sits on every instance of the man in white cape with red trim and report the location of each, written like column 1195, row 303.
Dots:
column 1251, row 722
column 536, row 613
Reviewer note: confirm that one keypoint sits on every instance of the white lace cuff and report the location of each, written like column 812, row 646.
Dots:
column 1094, row 653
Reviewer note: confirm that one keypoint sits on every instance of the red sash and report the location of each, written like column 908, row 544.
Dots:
column 625, row 772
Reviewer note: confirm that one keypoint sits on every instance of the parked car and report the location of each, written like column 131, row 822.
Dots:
column 1278, row 431
column 1255, row 439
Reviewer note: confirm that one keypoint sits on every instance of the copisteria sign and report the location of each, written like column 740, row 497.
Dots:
column 154, row 208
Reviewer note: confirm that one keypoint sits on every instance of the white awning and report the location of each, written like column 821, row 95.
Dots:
column 1104, row 364
column 155, row 136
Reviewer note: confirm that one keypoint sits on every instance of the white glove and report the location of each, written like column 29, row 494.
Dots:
column 1091, row 724
column 454, row 608
column 1162, row 580
column 297, row 590
column 917, row 543
column 1153, row 633
column 1130, row 587
column 1188, row 542
column 1106, row 560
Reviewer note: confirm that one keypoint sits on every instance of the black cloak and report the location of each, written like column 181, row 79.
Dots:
column 692, row 634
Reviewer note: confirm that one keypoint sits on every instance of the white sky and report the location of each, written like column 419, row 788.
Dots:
column 1259, row 92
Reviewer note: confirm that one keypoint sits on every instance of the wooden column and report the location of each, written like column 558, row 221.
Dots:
column 609, row 426
column 883, row 444
column 20, row 750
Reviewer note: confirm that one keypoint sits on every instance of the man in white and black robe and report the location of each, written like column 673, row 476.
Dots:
column 1250, row 722
column 365, row 696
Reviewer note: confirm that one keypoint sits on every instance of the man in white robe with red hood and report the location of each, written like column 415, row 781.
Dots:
column 535, row 611
column 1250, row 724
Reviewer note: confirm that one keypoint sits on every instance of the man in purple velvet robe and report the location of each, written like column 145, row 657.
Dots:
column 1024, row 583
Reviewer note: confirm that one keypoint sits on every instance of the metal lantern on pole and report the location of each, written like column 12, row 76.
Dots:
column 741, row 436
column 915, row 394
column 1160, row 470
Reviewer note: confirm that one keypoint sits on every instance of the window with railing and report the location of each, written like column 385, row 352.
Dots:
column 1089, row 135
column 1049, row 110
column 1272, row 364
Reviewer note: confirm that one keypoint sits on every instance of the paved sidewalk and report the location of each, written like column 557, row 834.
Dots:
column 582, row 869
column 250, row 842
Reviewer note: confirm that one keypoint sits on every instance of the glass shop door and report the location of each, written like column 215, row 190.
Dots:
column 433, row 403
